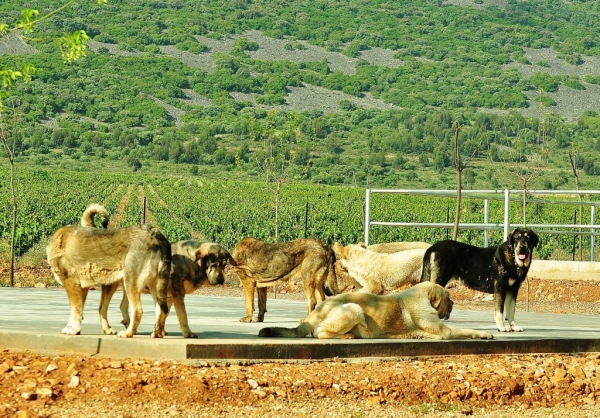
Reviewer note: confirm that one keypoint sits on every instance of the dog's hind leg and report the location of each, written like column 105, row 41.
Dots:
column 107, row 293
column 160, row 296
column 124, row 307
column 135, row 302
column 249, row 286
column 340, row 321
column 261, row 293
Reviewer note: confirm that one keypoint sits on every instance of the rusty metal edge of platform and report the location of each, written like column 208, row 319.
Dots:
column 285, row 350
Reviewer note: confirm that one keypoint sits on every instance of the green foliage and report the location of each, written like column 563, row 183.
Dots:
column 545, row 101
column 195, row 108
column 226, row 211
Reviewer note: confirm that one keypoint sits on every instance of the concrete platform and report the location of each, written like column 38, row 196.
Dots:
column 31, row 319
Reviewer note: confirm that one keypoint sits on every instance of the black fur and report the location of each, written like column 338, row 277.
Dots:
column 496, row 269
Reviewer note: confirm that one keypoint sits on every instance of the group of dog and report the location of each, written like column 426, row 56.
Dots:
column 142, row 260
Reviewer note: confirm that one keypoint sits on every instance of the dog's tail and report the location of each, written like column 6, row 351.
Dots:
column 331, row 283
column 303, row 330
column 164, row 271
column 87, row 219
column 426, row 270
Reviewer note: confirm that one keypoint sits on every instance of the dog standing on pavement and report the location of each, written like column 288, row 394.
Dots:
column 499, row 269
column 84, row 256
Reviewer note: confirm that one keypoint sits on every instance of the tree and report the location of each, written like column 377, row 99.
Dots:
column 459, row 165
column 526, row 154
column 275, row 141
column 72, row 45
column 573, row 159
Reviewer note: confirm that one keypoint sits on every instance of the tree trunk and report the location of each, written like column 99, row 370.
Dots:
column 14, row 224
column 524, row 204
column 277, row 204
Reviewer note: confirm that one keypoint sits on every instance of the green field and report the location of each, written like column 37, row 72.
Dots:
column 225, row 211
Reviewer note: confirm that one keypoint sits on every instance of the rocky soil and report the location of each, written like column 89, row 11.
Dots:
column 38, row 384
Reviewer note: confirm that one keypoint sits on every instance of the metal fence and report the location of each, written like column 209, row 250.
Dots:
column 507, row 196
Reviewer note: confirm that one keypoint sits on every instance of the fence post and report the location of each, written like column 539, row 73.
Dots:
column 506, row 217
column 367, row 214
column 486, row 219
column 593, row 230
column 306, row 221
column 144, row 212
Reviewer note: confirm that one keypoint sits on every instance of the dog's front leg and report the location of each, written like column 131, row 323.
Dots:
column 509, row 308
column 135, row 303
column 182, row 317
column 75, row 295
column 499, row 312
column 249, row 285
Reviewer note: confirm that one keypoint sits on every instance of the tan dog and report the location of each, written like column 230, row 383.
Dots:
column 260, row 265
column 194, row 265
column 379, row 272
column 413, row 313
column 83, row 256
column 394, row 247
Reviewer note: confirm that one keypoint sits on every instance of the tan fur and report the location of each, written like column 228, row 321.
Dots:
column 380, row 272
column 83, row 256
column 415, row 313
column 194, row 264
column 260, row 265
column 394, row 247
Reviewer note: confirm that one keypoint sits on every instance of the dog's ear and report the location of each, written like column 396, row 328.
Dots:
column 534, row 238
column 338, row 249
column 510, row 236
column 437, row 294
column 201, row 252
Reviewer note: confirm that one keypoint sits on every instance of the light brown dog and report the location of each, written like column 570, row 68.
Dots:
column 413, row 313
column 260, row 265
column 84, row 256
column 379, row 272
column 394, row 247
column 194, row 265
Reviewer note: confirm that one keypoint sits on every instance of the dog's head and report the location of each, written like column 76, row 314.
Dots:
column 213, row 258
column 522, row 241
column 440, row 300
column 209, row 257
column 343, row 254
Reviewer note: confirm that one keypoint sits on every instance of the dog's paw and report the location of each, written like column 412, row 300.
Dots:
column 515, row 328
column 487, row 336
column 246, row 319
column 504, row 329
column 125, row 323
column 109, row 331
column 125, row 334
column 158, row 333
column 189, row 334
column 68, row 330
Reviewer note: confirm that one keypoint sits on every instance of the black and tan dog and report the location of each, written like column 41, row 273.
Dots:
column 414, row 313
column 137, row 256
column 195, row 264
column 499, row 269
column 260, row 265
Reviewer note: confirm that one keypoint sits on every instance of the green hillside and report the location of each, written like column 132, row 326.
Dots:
column 329, row 90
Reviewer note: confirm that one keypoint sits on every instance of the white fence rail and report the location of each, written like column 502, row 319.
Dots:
column 590, row 229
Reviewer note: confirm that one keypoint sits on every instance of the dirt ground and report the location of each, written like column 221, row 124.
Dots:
column 34, row 384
